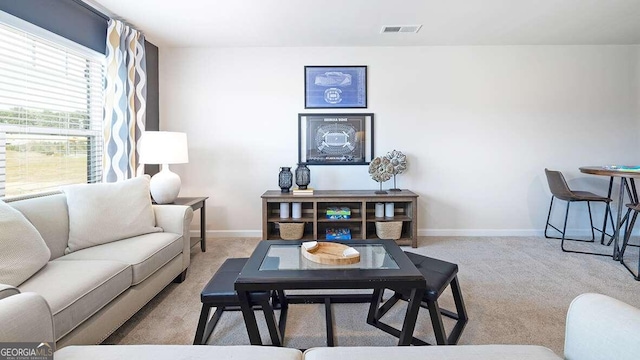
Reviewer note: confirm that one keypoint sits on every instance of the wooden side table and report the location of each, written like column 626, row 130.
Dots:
column 196, row 203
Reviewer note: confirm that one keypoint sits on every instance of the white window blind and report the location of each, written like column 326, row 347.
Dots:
column 51, row 98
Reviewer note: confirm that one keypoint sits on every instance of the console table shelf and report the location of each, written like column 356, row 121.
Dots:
column 362, row 221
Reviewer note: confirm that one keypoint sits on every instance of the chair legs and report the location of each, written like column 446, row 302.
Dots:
column 206, row 326
column 376, row 312
column 593, row 229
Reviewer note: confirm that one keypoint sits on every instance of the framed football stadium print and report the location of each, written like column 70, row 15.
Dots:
column 335, row 139
column 335, row 87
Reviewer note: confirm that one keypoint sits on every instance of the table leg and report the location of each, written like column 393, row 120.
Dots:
column 607, row 214
column 618, row 218
column 328, row 321
column 634, row 193
column 284, row 308
column 406, row 335
column 376, row 299
column 277, row 338
column 203, row 228
column 249, row 318
column 633, row 198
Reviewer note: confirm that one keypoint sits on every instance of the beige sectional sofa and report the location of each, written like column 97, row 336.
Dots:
column 94, row 290
column 598, row 328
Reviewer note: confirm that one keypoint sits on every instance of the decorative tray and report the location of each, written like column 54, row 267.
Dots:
column 330, row 253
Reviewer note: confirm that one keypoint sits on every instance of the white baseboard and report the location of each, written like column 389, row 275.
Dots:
column 502, row 232
column 216, row 234
column 421, row 232
column 480, row 232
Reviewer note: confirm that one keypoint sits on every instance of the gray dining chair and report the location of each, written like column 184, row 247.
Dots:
column 560, row 190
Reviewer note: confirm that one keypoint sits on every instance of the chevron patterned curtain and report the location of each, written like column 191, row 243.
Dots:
column 125, row 101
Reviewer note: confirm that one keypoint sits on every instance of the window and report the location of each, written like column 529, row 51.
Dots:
column 51, row 94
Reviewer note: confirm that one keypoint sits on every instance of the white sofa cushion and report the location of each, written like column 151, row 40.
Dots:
column 50, row 215
column 102, row 213
column 145, row 253
column 22, row 250
column 458, row 352
column 182, row 352
column 77, row 289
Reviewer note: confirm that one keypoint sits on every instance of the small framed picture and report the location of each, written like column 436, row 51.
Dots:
column 335, row 139
column 335, row 87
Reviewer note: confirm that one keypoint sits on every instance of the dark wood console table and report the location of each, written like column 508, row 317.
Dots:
column 362, row 221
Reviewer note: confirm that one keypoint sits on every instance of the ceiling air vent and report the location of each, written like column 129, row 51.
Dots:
column 400, row 29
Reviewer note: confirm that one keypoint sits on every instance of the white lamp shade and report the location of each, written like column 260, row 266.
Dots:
column 163, row 147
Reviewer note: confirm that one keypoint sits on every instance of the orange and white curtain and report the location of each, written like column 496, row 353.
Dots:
column 125, row 101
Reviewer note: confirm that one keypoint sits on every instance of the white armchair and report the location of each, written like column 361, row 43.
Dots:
column 599, row 327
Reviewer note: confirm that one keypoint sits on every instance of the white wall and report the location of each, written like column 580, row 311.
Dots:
column 479, row 125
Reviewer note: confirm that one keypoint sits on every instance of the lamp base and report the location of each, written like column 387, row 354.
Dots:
column 165, row 186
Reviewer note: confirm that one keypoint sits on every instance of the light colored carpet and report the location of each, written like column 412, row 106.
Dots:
column 517, row 291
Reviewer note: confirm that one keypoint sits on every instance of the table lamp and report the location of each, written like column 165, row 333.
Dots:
column 164, row 148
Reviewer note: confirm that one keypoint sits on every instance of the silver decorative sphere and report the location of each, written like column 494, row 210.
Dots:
column 380, row 169
column 398, row 161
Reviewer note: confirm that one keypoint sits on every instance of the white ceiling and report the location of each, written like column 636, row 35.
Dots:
column 244, row 23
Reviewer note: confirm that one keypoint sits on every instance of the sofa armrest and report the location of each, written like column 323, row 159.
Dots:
column 8, row 290
column 173, row 218
column 176, row 219
column 25, row 317
column 600, row 328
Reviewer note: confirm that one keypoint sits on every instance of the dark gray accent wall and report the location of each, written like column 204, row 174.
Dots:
column 66, row 18
column 153, row 96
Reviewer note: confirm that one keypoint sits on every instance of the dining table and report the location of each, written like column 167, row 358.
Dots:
column 627, row 175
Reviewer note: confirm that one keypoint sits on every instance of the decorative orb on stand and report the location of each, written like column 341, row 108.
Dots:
column 380, row 170
column 399, row 163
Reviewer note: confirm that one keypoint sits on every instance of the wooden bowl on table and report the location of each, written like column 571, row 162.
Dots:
column 331, row 253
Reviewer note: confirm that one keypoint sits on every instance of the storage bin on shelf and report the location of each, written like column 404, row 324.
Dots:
column 338, row 234
column 335, row 212
column 291, row 230
column 389, row 229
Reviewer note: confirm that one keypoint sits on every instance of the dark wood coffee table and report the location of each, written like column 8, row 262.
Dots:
column 383, row 265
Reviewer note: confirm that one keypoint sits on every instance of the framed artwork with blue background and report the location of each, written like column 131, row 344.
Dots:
column 341, row 87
